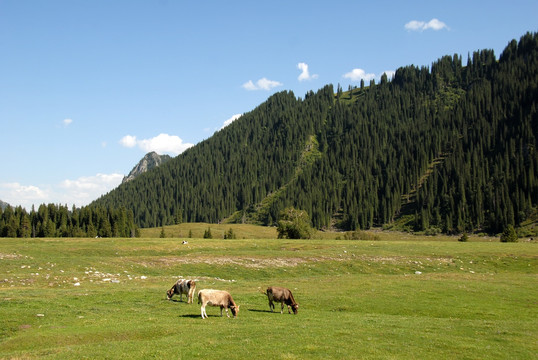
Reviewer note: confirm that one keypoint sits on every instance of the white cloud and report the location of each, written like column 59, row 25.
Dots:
column 305, row 74
column 436, row 25
column 85, row 189
column 88, row 183
column 262, row 84
column 230, row 120
column 16, row 194
column 162, row 143
column 249, row 85
column 414, row 25
column 358, row 75
column 390, row 73
column 128, row 141
column 79, row 192
column 67, row 122
column 433, row 24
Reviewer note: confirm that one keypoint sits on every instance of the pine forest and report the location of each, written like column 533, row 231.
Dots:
column 448, row 148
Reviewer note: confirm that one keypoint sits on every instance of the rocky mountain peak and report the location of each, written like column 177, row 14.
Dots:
column 148, row 162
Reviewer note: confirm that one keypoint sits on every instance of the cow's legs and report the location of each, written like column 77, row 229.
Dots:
column 202, row 310
column 191, row 292
column 282, row 307
column 271, row 305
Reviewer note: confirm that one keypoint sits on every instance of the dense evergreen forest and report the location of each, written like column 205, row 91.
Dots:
column 450, row 147
column 58, row 221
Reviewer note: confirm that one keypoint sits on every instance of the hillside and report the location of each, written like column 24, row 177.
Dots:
column 450, row 148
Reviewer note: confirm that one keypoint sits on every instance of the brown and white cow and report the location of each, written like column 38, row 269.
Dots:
column 283, row 296
column 217, row 298
column 182, row 286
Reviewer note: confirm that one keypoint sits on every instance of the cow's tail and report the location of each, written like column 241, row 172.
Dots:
column 261, row 291
column 200, row 297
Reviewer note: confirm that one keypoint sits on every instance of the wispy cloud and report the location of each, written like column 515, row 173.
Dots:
column 262, row 84
column 162, row 143
column 305, row 74
column 67, row 122
column 433, row 24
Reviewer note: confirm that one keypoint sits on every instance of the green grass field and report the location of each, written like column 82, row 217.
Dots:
column 415, row 298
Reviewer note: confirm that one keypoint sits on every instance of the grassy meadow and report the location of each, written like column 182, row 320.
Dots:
column 400, row 297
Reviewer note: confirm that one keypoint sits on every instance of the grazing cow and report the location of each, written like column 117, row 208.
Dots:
column 182, row 286
column 283, row 296
column 217, row 298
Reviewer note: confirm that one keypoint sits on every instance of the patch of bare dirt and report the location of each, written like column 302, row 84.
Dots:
column 9, row 256
column 282, row 262
column 403, row 259
column 249, row 262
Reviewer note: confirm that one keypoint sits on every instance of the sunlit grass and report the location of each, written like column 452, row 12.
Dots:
column 390, row 298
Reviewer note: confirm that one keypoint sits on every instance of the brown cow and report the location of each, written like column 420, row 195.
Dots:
column 182, row 286
column 217, row 298
column 283, row 296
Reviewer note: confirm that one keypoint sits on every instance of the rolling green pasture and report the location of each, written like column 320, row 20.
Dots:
column 416, row 298
column 247, row 231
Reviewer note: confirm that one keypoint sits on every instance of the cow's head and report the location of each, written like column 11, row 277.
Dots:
column 235, row 310
column 170, row 293
column 295, row 308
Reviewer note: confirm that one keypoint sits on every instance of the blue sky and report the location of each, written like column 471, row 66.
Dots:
column 87, row 88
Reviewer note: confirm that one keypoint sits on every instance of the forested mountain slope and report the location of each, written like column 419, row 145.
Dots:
column 452, row 147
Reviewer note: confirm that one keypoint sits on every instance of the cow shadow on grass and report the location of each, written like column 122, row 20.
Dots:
column 190, row 316
column 198, row 316
column 258, row 310
column 176, row 301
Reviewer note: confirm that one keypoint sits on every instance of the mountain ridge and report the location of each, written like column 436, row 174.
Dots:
column 375, row 145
